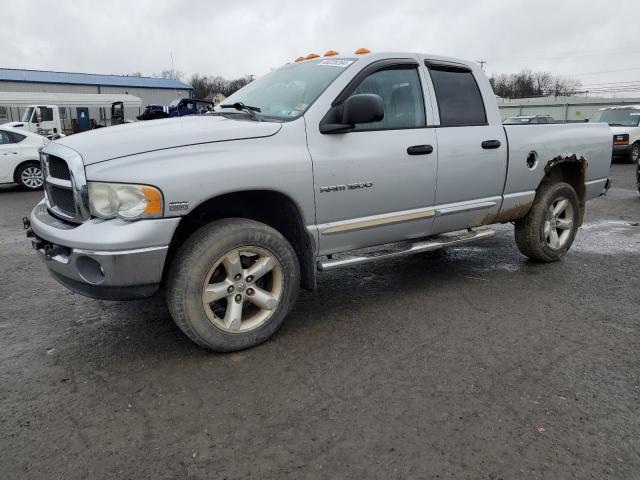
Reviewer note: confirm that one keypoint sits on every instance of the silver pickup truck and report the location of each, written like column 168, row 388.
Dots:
column 306, row 169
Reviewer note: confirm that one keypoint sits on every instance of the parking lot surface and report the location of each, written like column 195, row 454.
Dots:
column 467, row 363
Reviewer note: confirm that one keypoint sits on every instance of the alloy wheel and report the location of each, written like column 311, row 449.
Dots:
column 559, row 223
column 242, row 290
column 32, row 177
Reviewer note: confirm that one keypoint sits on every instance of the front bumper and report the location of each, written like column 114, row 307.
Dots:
column 110, row 260
column 622, row 150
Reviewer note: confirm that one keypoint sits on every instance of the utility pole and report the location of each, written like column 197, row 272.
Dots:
column 482, row 63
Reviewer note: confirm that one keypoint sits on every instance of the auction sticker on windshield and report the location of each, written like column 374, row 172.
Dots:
column 336, row 62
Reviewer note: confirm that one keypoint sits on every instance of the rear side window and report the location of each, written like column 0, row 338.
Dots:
column 459, row 98
column 15, row 137
column 4, row 138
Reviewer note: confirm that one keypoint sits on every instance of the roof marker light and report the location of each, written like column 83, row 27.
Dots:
column 330, row 53
column 362, row 51
column 299, row 59
column 311, row 55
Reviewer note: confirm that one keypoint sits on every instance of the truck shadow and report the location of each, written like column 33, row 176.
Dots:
column 353, row 297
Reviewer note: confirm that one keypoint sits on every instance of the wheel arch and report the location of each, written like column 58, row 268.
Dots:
column 270, row 207
column 571, row 169
column 21, row 164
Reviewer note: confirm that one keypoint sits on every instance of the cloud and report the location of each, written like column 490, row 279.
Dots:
column 250, row 37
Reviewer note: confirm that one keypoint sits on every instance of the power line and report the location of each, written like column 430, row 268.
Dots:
column 621, row 50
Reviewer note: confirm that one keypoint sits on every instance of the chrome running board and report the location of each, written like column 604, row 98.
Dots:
column 433, row 243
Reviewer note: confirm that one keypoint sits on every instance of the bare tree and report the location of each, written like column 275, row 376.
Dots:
column 533, row 84
column 171, row 74
column 202, row 87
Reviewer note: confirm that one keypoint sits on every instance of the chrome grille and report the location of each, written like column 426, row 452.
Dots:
column 65, row 183
column 58, row 168
column 63, row 199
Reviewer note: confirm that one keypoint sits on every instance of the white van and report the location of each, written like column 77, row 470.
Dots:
column 624, row 122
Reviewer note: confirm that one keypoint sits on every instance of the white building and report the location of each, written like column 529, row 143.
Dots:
column 573, row 109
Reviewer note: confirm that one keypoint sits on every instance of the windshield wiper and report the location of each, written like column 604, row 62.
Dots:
column 251, row 111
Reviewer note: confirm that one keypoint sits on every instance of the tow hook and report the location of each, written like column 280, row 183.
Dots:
column 26, row 223
column 51, row 251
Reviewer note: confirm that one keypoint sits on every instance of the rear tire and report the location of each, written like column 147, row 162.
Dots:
column 29, row 176
column 232, row 283
column 546, row 233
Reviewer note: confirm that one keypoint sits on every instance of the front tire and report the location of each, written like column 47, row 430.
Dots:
column 232, row 283
column 29, row 176
column 634, row 154
column 638, row 175
column 546, row 233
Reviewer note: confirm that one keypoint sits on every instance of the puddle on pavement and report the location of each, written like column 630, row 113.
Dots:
column 608, row 236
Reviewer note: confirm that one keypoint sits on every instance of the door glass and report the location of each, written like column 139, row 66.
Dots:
column 46, row 114
column 459, row 98
column 402, row 96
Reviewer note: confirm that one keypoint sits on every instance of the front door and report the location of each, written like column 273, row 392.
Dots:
column 376, row 184
column 83, row 119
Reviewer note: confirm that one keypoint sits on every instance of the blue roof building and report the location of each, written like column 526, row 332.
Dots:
column 150, row 90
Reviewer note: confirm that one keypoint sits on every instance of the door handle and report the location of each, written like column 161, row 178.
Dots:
column 487, row 144
column 420, row 150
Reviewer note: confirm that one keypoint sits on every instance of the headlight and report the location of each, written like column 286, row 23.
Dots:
column 621, row 139
column 131, row 202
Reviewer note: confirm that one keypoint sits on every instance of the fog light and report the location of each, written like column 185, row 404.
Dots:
column 90, row 270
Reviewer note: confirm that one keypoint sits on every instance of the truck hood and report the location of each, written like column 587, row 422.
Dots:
column 129, row 139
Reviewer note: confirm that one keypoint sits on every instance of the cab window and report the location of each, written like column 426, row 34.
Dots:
column 459, row 99
column 45, row 114
column 401, row 93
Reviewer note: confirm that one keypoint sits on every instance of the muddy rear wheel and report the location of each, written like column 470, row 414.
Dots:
column 547, row 232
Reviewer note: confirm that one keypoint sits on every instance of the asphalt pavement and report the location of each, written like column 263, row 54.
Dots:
column 469, row 363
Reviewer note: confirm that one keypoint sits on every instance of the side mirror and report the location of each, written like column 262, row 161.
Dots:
column 361, row 108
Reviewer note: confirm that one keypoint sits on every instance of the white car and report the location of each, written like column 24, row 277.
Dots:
column 20, row 158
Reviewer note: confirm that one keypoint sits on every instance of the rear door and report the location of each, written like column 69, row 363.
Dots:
column 472, row 153
column 376, row 184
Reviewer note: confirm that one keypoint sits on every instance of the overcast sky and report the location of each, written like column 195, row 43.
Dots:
column 232, row 39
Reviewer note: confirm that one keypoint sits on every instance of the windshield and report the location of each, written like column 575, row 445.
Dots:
column 618, row 117
column 286, row 93
column 26, row 116
column 175, row 103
